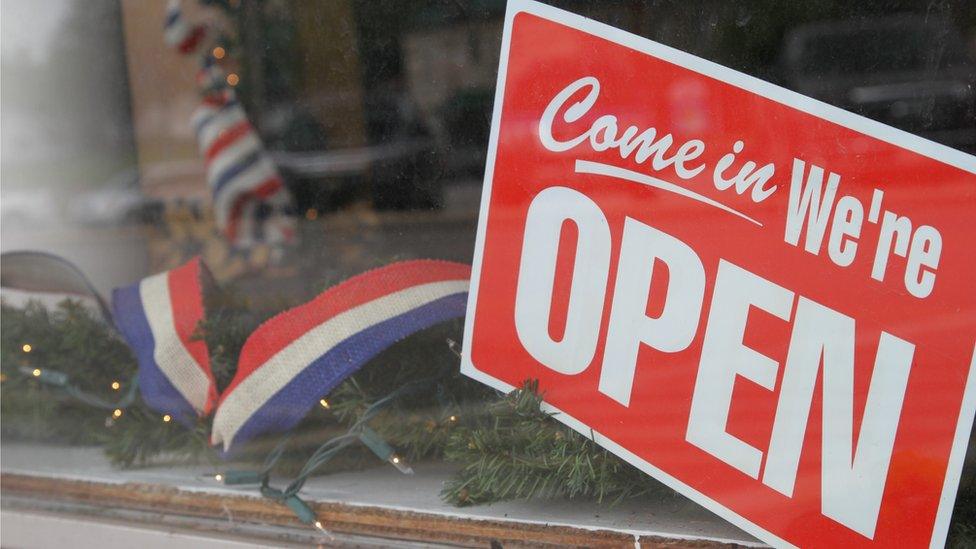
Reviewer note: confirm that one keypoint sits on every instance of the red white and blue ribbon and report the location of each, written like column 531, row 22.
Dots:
column 290, row 361
column 157, row 317
column 179, row 33
column 241, row 175
column 250, row 202
column 297, row 357
column 210, row 77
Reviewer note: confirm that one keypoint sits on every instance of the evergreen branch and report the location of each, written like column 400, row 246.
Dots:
column 516, row 451
column 139, row 438
column 506, row 446
column 68, row 339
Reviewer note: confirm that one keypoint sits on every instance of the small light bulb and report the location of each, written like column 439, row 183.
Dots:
column 397, row 462
column 117, row 413
column 37, row 372
column 218, row 477
column 27, row 347
column 233, row 79
column 219, row 52
column 116, row 385
column 453, row 418
column 166, row 418
column 321, row 528
column 324, row 403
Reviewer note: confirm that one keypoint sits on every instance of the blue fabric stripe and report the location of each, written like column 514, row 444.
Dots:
column 172, row 17
column 234, row 170
column 203, row 123
column 292, row 402
column 157, row 391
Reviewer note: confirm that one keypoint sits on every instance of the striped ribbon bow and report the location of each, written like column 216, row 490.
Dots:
column 292, row 360
column 157, row 317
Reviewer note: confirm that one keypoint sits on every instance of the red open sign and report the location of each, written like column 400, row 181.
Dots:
column 763, row 301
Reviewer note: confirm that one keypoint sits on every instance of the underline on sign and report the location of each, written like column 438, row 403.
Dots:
column 598, row 168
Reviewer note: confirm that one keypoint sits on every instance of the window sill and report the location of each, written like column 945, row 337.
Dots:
column 377, row 503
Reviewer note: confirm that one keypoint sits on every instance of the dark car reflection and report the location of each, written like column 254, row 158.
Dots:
column 907, row 71
column 397, row 169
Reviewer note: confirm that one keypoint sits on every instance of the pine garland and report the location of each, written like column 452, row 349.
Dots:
column 436, row 421
column 513, row 450
column 506, row 446
column 67, row 339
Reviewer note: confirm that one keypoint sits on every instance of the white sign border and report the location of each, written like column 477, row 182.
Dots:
column 803, row 103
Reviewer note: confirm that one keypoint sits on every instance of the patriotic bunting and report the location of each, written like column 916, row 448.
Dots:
column 157, row 318
column 250, row 201
column 210, row 78
column 292, row 360
column 240, row 174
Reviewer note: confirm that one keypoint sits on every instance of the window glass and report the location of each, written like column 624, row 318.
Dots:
column 262, row 152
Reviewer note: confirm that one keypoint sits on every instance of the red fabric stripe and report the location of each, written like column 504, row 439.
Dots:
column 228, row 137
column 216, row 99
column 278, row 332
column 268, row 188
column 190, row 42
column 186, row 294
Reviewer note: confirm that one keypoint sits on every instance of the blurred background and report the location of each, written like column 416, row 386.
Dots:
column 377, row 113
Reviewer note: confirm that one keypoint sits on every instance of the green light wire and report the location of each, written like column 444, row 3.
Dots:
column 323, row 454
column 62, row 381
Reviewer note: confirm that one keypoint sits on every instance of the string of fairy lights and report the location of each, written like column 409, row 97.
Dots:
column 61, row 380
column 289, row 495
column 359, row 431
column 212, row 79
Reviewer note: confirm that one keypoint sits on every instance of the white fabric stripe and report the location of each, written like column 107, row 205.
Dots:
column 201, row 112
column 281, row 368
column 212, row 72
column 220, row 122
column 278, row 222
column 172, row 357
column 176, row 33
column 223, row 118
column 244, row 236
column 280, row 199
column 242, row 183
column 232, row 154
